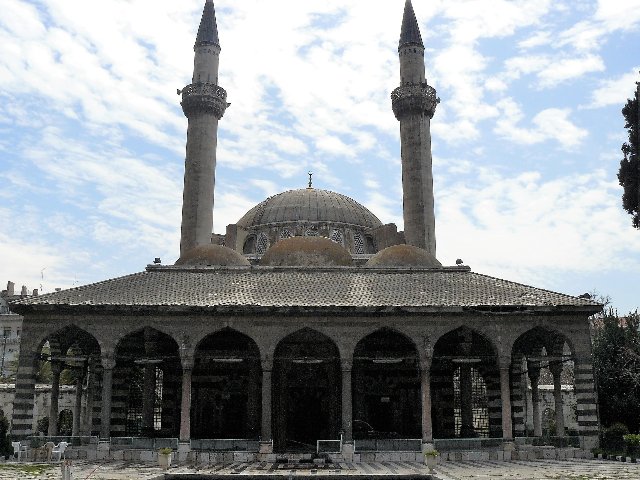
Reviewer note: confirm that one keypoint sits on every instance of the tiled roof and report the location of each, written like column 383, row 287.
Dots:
column 232, row 288
column 410, row 33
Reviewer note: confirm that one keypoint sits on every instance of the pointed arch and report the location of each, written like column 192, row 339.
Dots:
column 226, row 386
column 465, row 385
column 386, row 386
column 306, row 379
column 147, row 377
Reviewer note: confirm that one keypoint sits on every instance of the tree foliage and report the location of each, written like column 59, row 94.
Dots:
column 616, row 362
column 629, row 173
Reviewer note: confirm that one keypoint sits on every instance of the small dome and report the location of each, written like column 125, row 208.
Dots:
column 403, row 256
column 212, row 256
column 310, row 205
column 306, row 252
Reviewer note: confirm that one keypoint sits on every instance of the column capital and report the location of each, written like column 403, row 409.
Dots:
column 346, row 365
column 187, row 363
column 266, row 363
column 108, row 362
column 504, row 362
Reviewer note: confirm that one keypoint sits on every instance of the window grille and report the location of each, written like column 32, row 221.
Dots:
column 157, row 407
column 311, row 232
column 285, row 233
column 479, row 403
column 263, row 244
column 358, row 244
column 336, row 236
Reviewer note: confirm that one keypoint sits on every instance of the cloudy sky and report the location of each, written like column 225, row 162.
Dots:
column 526, row 140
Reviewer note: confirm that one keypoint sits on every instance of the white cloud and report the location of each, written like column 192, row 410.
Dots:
column 549, row 124
column 531, row 228
column 615, row 91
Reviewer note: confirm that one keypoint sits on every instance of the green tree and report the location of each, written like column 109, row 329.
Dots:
column 629, row 173
column 616, row 362
column 6, row 450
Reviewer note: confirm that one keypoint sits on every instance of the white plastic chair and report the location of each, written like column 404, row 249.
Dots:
column 59, row 451
column 19, row 448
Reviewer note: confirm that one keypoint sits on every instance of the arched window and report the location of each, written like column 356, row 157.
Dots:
column 311, row 232
column 336, row 236
column 249, row 245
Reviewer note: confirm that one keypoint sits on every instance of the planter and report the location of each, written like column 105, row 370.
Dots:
column 164, row 460
column 431, row 462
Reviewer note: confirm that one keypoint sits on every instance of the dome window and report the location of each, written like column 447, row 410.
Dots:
column 285, row 233
column 249, row 245
column 262, row 244
column 311, row 232
column 336, row 236
column 358, row 244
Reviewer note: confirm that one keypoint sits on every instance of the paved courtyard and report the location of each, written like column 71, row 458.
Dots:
column 516, row 470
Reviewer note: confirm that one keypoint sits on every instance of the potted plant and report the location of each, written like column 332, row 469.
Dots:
column 164, row 457
column 431, row 459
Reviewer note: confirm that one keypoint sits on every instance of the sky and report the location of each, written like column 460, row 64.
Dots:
column 526, row 140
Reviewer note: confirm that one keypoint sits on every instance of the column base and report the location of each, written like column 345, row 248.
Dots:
column 508, row 447
column 348, row 451
column 184, row 446
column 428, row 446
column 265, row 447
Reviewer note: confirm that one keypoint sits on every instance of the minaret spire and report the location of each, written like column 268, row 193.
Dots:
column 208, row 30
column 410, row 33
column 204, row 104
column 414, row 103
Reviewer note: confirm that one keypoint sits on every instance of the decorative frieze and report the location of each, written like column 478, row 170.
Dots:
column 199, row 98
column 414, row 100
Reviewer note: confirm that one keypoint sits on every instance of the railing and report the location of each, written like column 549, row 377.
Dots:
column 140, row 443
column 80, row 441
column 558, row 442
column 452, row 444
column 387, row 445
column 329, row 446
column 225, row 445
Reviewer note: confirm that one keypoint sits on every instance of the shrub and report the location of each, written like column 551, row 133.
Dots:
column 613, row 437
column 632, row 443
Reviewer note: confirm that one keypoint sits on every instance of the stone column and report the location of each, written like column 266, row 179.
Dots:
column 505, row 397
column 56, row 368
column 425, row 387
column 533, row 369
column 23, row 403
column 87, row 420
column 556, row 370
column 77, row 408
column 185, row 406
column 266, row 433
column 347, row 405
column 108, row 364
column 253, row 397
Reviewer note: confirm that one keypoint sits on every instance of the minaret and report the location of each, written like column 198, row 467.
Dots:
column 203, row 103
column 414, row 104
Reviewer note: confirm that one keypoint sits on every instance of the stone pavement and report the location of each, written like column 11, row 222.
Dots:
column 484, row 470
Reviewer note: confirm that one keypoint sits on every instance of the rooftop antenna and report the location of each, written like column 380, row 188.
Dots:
column 310, row 180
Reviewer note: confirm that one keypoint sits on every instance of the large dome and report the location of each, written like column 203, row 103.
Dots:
column 309, row 205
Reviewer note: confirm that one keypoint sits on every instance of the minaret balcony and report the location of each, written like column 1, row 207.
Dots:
column 414, row 100
column 204, row 98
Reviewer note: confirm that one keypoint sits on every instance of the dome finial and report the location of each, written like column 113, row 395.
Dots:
column 310, row 180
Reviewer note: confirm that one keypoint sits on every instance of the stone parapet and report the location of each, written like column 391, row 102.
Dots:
column 414, row 100
column 203, row 98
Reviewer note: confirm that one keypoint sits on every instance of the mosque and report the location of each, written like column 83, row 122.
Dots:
column 309, row 320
